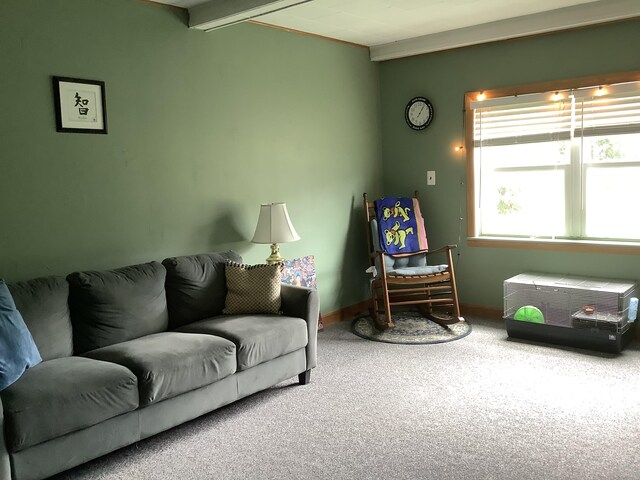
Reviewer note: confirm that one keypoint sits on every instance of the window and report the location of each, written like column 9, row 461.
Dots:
column 562, row 164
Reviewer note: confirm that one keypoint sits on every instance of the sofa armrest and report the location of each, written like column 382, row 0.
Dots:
column 5, row 466
column 304, row 303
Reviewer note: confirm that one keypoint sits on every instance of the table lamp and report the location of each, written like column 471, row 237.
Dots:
column 274, row 227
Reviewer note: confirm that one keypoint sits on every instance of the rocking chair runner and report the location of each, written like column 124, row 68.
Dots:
column 407, row 280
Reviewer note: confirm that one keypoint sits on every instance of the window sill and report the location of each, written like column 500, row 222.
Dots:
column 586, row 246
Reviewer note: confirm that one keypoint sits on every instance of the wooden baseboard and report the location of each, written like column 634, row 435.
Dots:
column 346, row 313
column 491, row 313
column 484, row 311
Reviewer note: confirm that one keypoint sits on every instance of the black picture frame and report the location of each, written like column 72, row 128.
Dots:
column 80, row 104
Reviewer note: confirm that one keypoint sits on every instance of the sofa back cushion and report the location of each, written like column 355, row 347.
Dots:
column 43, row 303
column 117, row 305
column 196, row 286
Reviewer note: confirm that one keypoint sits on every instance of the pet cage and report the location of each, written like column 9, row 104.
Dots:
column 576, row 311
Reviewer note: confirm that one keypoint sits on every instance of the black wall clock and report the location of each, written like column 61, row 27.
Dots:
column 418, row 113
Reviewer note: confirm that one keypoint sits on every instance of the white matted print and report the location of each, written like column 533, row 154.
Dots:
column 80, row 105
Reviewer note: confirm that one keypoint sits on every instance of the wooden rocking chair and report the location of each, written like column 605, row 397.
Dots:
column 408, row 280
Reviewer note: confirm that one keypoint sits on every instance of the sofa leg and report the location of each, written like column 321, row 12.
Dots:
column 304, row 377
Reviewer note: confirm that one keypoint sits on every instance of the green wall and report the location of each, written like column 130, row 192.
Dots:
column 203, row 127
column 444, row 77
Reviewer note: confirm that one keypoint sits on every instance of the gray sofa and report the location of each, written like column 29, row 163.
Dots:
column 131, row 352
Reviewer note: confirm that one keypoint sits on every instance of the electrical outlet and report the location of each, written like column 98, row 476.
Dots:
column 431, row 177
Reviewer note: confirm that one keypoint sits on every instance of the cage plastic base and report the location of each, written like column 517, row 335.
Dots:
column 598, row 339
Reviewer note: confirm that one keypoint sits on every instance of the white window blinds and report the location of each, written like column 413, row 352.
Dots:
column 556, row 116
column 609, row 114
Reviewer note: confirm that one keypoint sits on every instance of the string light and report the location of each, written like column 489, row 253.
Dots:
column 481, row 96
column 601, row 91
column 459, row 148
column 556, row 96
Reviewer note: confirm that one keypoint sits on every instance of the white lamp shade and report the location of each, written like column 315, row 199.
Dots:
column 274, row 225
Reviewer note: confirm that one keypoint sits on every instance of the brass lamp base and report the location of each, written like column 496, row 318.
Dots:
column 275, row 255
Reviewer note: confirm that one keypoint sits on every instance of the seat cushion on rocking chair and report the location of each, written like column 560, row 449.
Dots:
column 423, row 270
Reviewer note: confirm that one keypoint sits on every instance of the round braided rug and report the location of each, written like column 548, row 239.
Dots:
column 410, row 328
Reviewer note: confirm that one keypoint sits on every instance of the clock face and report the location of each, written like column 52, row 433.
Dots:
column 419, row 113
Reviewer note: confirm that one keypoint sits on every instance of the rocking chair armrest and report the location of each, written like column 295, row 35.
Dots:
column 443, row 249
column 381, row 253
column 376, row 253
column 410, row 254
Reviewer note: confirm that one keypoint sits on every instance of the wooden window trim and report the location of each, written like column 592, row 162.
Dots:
column 536, row 244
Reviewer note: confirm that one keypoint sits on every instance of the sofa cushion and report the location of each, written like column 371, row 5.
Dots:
column 17, row 348
column 252, row 288
column 258, row 338
column 196, row 286
column 168, row 364
column 65, row 395
column 43, row 303
column 117, row 305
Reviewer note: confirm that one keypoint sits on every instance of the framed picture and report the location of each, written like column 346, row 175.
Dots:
column 80, row 105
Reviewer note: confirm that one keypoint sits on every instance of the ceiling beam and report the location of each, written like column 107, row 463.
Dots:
column 550, row 21
column 216, row 14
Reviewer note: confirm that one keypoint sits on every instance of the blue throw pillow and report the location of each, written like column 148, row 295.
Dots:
column 18, row 351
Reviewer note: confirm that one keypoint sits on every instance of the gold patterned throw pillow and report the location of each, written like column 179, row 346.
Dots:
column 252, row 288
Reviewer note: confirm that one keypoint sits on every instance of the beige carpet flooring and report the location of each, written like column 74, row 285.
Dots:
column 483, row 407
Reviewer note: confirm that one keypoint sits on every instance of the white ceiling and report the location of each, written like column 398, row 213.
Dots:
column 394, row 28
column 374, row 22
